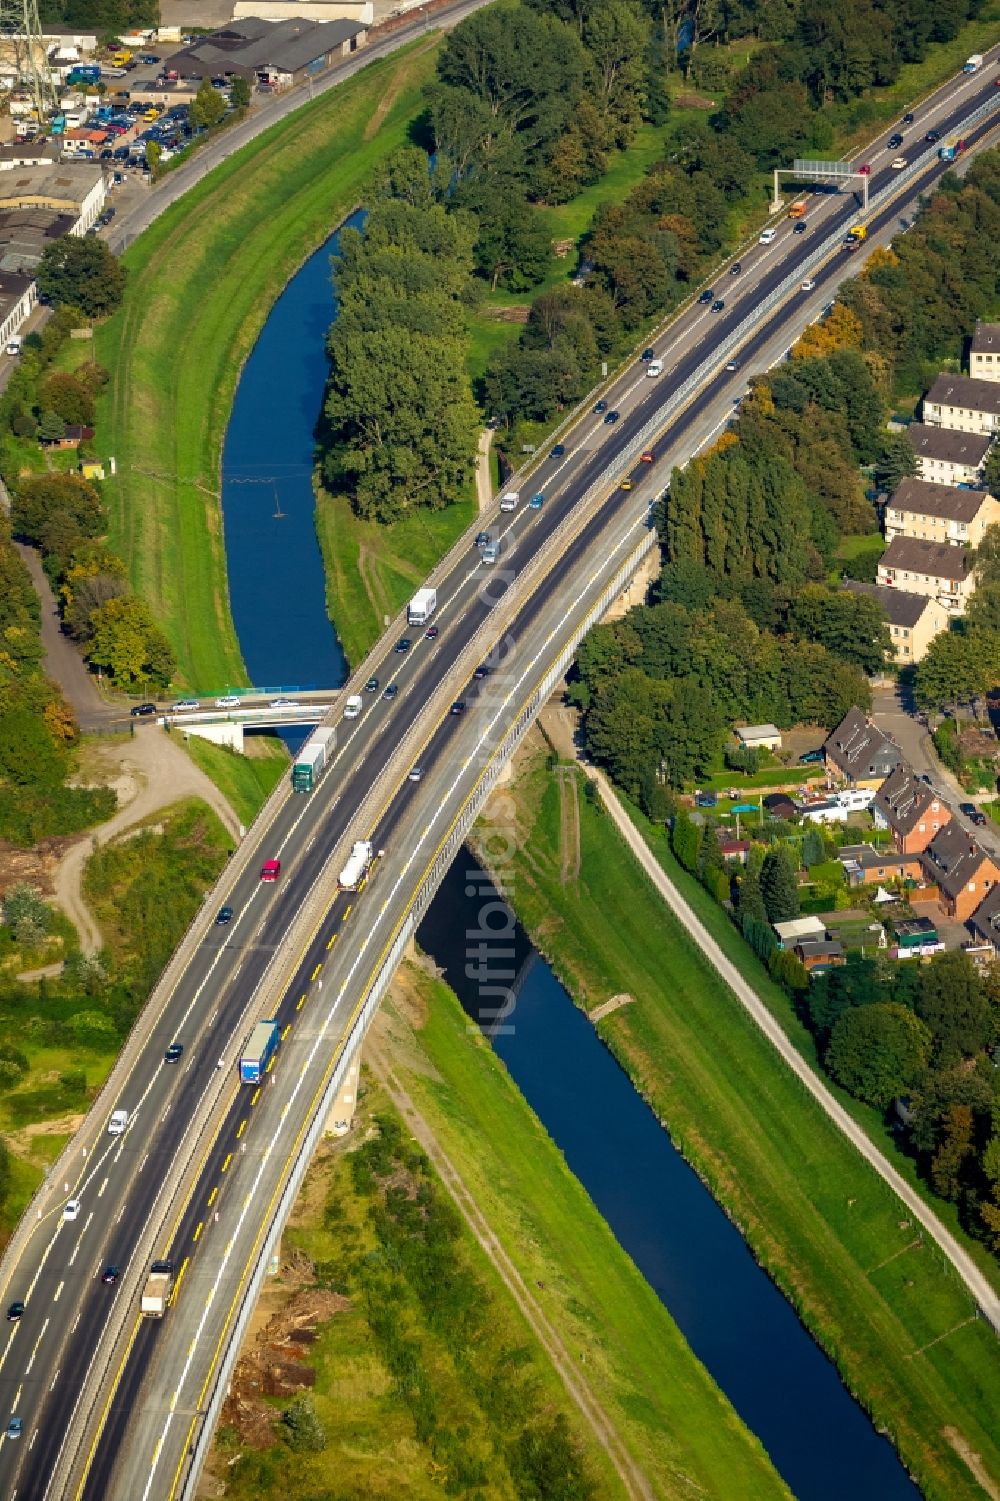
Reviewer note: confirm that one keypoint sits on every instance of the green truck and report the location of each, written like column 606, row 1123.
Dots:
column 313, row 759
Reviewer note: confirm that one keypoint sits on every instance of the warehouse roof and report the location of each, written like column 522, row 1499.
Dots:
column 254, row 44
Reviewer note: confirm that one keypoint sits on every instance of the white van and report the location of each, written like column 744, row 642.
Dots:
column 14, row 345
column 353, row 706
column 766, row 236
column 509, row 500
column 118, row 1122
column 653, row 369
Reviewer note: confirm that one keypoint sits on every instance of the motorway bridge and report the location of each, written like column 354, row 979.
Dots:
column 115, row 1406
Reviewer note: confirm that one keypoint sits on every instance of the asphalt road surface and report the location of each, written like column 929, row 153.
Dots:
column 53, row 1354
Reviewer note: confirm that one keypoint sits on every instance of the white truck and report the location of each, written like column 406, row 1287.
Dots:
column 357, row 867
column 973, row 64
column 421, row 607
column 353, row 706
column 158, row 1290
column 509, row 500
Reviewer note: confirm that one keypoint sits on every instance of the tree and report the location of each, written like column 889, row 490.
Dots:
column 813, row 848
column 849, row 624
column 617, row 37
column 750, row 900
column 950, row 1001
column 128, row 644
column 513, row 247
column 51, row 427
column 303, row 1429
column 958, row 666
column 897, row 461
column 208, row 106
column 685, row 841
column 25, row 914
column 779, row 885
column 63, row 393
column 956, row 1146
column 154, row 151
column 29, row 757
column 878, row 1052
column 40, row 498
column 81, row 272
column 239, row 94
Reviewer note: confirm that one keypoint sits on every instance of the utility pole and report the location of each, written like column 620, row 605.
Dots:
column 20, row 25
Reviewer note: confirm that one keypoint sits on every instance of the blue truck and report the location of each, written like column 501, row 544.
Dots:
column 260, row 1048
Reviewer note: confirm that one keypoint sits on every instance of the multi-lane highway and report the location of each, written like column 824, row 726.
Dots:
column 114, row 1406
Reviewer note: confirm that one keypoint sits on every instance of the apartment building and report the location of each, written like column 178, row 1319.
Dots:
column 963, row 403
column 933, row 512
column 984, row 352
column 946, row 457
column 935, row 569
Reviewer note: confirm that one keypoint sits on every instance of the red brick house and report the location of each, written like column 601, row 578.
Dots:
column 962, row 872
column 912, row 812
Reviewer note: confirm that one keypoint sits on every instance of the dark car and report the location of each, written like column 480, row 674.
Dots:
column 110, row 1275
column 811, row 758
column 705, row 800
column 481, row 672
column 648, row 354
column 907, row 119
column 611, row 416
column 558, row 450
column 224, row 915
column 601, row 406
column 736, row 268
column 122, row 153
column 140, row 711
column 707, row 295
column 896, row 140
column 14, row 1311
column 733, row 365
column 106, row 154
column 148, row 59
column 967, row 808
column 431, row 633
column 372, row 685
column 932, row 136
column 173, row 1053
column 800, row 228
column 458, row 707
column 403, row 644
column 483, row 539
column 718, row 305
column 391, row 690
column 978, row 818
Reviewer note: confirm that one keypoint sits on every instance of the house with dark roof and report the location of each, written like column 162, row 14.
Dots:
column 948, row 457
column 866, row 866
column 934, row 569
column 984, row 352
column 963, row 403
column 912, row 812
column 284, row 52
column 984, row 923
column 913, row 619
column 933, row 512
column 857, row 754
column 961, row 870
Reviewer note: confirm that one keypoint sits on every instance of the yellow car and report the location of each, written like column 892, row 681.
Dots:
column 626, row 484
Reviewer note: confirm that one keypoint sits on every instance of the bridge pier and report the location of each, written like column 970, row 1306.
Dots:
column 222, row 732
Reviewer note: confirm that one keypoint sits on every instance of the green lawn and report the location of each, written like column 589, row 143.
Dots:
column 899, row 1324
column 372, row 570
column 666, row 1408
column 202, row 280
column 246, row 780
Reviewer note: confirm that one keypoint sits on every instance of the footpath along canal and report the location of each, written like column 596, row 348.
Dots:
column 739, row 1325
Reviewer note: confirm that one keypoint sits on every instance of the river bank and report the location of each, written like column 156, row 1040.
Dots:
column 906, row 1340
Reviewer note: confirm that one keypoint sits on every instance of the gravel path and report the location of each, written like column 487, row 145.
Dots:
column 63, row 662
column 154, row 772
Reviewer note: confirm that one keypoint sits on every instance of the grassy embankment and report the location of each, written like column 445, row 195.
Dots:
column 901, row 1328
column 672, row 1420
column 247, row 780
column 201, row 282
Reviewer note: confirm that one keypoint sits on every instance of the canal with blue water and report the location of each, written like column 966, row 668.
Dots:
column 736, row 1321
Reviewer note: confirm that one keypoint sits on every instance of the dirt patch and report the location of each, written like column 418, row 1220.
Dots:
column 511, row 314
column 569, row 825
column 614, row 1003
column 275, row 1364
column 968, row 1455
column 399, row 81
column 694, row 101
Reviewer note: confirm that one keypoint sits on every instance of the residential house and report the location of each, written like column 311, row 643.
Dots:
column 74, row 435
column 933, row 569
column 759, row 736
column 735, row 849
column 985, row 921
column 866, row 866
column 962, row 871
column 947, row 457
column 911, row 811
column 933, row 512
column 913, row 619
column 960, row 402
column 819, row 953
column 984, row 352
column 857, row 754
